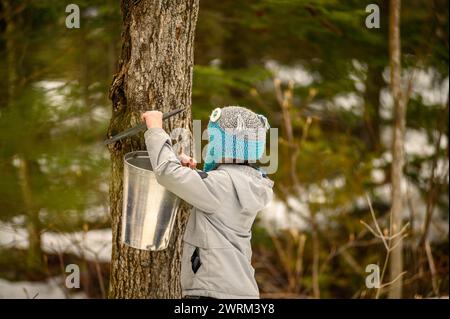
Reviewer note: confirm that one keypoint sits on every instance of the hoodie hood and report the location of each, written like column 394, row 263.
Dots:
column 253, row 190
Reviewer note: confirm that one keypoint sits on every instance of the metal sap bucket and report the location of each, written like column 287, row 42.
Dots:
column 149, row 210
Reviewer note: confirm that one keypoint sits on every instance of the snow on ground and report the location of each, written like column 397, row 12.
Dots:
column 93, row 245
column 275, row 216
column 52, row 288
column 298, row 74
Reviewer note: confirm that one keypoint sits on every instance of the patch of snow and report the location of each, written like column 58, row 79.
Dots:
column 50, row 85
column 55, row 91
column 377, row 175
column 275, row 216
column 359, row 75
column 93, row 245
column 90, row 12
column 316, row 194
column 387, row 157
column 297, row 74
column 442, row 166
column 335, row 183
column 416, row 141
column 52, row 288
column 103, row 187
column 101, row 114
column 215, row 62
column 383, row 192
column 425, row 85
column 360, row 202
column 97, row 213
column 349, row 102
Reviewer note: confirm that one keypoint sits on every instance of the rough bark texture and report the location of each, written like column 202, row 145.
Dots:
column 154, row 73
column 396, row 261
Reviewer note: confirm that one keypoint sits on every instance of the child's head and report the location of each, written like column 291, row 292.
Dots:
column 236, row 134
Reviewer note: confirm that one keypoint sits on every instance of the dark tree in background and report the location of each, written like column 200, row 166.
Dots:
column 154, row 73
column 336, row 122
column 25, row 166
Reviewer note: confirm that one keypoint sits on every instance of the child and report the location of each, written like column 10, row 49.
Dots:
column 226, row 197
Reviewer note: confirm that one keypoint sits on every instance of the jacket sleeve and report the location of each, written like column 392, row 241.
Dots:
column 184, row 182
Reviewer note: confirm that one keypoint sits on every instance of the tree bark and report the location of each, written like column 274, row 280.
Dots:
column 398, row 197
column 154, row 73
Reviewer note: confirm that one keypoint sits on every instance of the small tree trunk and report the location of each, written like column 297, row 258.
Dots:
column 12, row 53
column 155, row 73
column 34, row 253
column 316, row 255
column 398, row 197
column 374, row 84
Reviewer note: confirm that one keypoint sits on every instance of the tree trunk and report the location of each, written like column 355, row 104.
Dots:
column 155, row 73
column 14, row 37
column 396, row 261
column 34, row 252
column 316, row 256
column 374, row 84
column 11, row 51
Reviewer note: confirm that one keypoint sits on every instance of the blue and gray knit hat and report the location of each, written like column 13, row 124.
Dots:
column 236, row 134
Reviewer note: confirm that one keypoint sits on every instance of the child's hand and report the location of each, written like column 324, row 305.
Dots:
column 153, row 119
column 187, row 161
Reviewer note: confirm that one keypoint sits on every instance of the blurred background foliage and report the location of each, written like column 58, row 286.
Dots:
column 312, row 67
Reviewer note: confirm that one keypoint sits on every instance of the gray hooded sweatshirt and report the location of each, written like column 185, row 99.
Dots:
column 216, row 259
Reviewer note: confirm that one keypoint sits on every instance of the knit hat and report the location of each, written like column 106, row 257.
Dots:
column 236, row 134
